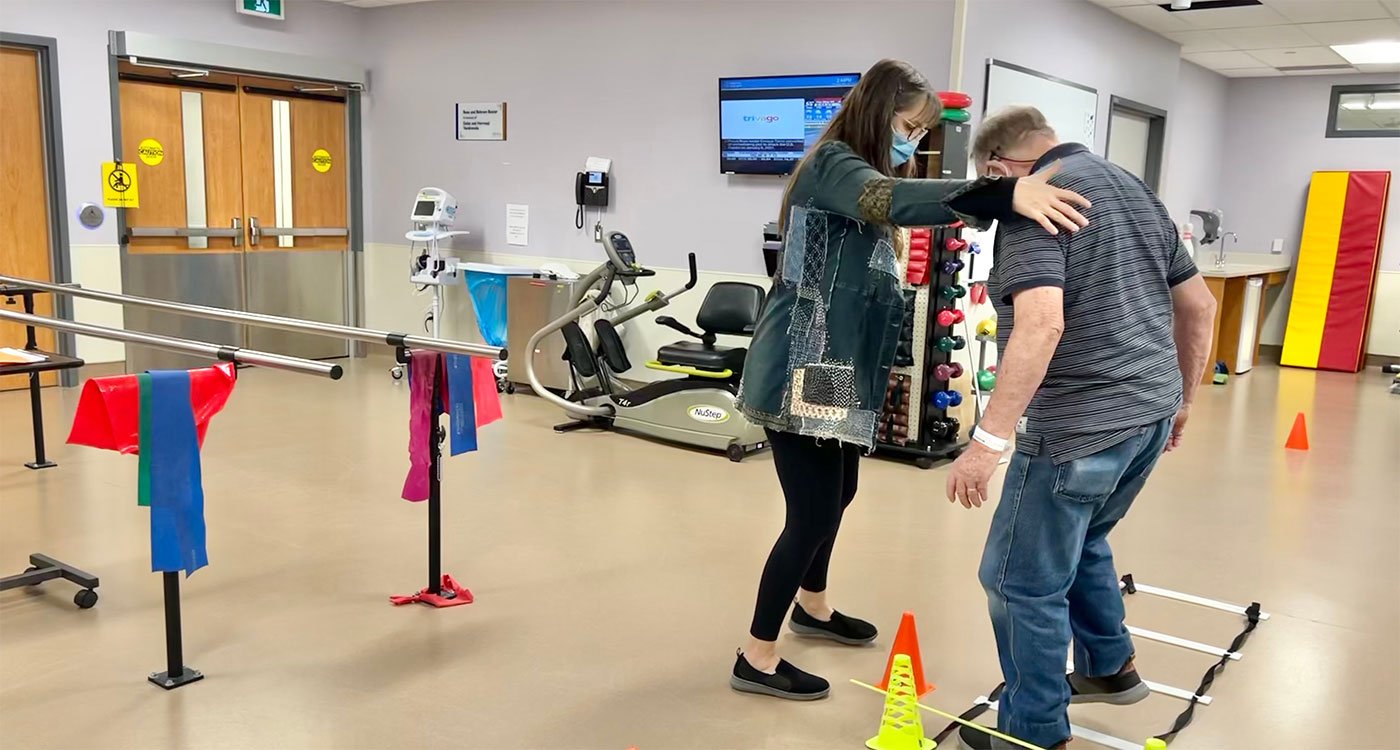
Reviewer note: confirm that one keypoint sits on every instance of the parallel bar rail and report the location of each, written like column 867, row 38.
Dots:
column 183, row 346
column 333, row 330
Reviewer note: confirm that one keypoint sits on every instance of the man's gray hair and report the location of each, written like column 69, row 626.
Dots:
column 1006, row 129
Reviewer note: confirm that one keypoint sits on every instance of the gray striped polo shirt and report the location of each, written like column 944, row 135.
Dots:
column 1115, row 369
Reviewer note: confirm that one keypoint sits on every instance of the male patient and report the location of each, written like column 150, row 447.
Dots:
column 1104, row 336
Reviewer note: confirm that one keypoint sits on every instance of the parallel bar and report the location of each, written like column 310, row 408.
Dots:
column 184, row 346
column 1204, row 648
column 1199, row 601
column 267, row 321
column 1088, row 735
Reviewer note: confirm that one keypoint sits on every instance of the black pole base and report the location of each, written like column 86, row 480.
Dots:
column 164, row 680
column 36, row 465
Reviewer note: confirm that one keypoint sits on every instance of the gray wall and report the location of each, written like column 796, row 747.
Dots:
column 1195, row 151
column 634, row 81
column 316, row 29
column 1275, row 139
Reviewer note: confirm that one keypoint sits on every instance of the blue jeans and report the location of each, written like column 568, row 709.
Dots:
column 1049, row 575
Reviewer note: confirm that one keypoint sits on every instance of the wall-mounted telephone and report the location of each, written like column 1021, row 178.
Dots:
column 591, row 187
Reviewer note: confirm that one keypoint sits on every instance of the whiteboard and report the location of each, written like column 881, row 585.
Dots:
column 1072, row 109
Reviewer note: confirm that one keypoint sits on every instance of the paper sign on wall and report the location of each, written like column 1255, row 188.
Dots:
column 517, row 224
column 119, row 185
column 481, row 121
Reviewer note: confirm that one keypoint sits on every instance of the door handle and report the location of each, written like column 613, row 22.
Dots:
column 257, row 231
column 234, row 233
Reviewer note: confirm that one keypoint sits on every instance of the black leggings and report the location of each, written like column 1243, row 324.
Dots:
column 819, row 481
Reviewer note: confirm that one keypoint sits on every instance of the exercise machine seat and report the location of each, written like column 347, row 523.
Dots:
column 730, row 308
column 702, row 357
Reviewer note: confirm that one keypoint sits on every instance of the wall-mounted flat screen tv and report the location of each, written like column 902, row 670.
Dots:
column 767, row 123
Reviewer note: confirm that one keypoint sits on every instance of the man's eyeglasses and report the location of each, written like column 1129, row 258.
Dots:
column 999, row 157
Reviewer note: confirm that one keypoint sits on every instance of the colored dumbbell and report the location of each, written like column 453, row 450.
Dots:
column 987, row 327
column 955, row 244
column 948, row 371
column 953, row 291
column 975, row 247
column 943, row 429
column 986, row 380
column 945, row 399
column 950, row 316
column 951, row 343
column 951, row 267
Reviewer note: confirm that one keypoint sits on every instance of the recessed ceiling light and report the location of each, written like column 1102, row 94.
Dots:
column 1370, row 53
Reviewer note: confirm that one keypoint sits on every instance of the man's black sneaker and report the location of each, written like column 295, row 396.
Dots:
column 839, row 628
column 1122, row 689
column 788, row 682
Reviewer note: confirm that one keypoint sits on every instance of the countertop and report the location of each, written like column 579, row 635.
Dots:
column 1232, row 269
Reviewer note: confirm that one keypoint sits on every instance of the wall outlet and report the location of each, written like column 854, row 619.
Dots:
column 1276, row 247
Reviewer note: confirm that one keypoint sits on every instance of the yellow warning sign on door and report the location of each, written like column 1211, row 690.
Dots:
column 119, row 185
column 321, row 160
column 151, row 152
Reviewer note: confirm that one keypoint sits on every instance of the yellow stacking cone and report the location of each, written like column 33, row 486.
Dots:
column 900, row 726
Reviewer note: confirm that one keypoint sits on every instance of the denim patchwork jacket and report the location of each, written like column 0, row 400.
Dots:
column 822, row 351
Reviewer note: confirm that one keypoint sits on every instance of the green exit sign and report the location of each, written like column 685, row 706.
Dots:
column 262, row 8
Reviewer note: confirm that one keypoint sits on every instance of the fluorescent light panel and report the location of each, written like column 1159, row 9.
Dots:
column 1384, row 52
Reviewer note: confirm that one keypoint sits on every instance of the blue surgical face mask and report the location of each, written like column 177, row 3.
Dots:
column 902, row 150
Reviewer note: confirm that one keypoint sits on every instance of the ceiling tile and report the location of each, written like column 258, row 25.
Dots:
column 1154, row 18
column 1222, row 60
column 1393, row 6
column 1250, row 73
column 1282, row 58
column 1353, row 32
column 1320, row 11
column 1231, row 18
column 1207, row 41
column 1265, row 37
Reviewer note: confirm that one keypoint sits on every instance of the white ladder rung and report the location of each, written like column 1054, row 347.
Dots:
column 1083, row 733
column 1199, row 601
column 1204, row 648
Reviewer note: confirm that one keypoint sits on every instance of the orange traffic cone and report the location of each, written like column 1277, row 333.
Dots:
column 906, row 642
column 1298, row 437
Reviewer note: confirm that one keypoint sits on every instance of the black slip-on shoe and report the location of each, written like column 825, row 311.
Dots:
column 1122, row 689
column 788, row 682
column 839, row 628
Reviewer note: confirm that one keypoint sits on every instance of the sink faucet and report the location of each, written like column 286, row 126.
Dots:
column 1220, row 256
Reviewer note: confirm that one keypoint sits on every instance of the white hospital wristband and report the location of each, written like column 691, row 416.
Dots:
column 991, row 441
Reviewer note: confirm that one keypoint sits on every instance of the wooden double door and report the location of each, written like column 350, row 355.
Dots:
column 243, row 205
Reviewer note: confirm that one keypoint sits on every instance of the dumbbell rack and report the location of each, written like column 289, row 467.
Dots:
column 923, row 443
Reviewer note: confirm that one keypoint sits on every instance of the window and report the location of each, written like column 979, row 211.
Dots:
column 1364, row 111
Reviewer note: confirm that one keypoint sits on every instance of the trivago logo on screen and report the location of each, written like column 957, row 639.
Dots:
column 769, row 119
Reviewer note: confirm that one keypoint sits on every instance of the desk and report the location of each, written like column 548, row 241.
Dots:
column 1227, row 284
column 52, row 362
column 42, row 567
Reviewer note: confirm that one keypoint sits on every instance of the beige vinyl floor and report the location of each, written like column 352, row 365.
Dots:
column 614, row 577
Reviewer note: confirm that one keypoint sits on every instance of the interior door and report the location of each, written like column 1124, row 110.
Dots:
column 185, row 241
column 24, row 201
column 296, row 204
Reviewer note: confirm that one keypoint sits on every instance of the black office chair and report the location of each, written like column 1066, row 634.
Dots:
column 730, row 308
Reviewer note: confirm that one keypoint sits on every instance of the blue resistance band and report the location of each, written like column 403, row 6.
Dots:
column 462, row 408
column 176, row 487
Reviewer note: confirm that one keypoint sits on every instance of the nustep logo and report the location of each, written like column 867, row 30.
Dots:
column 708, row 414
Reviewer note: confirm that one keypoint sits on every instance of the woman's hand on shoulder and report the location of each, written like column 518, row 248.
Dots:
column 1036, row 199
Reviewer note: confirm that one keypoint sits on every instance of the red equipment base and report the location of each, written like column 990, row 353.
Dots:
column 453, row 595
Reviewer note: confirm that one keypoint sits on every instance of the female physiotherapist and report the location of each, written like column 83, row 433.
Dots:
column 820, row 360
